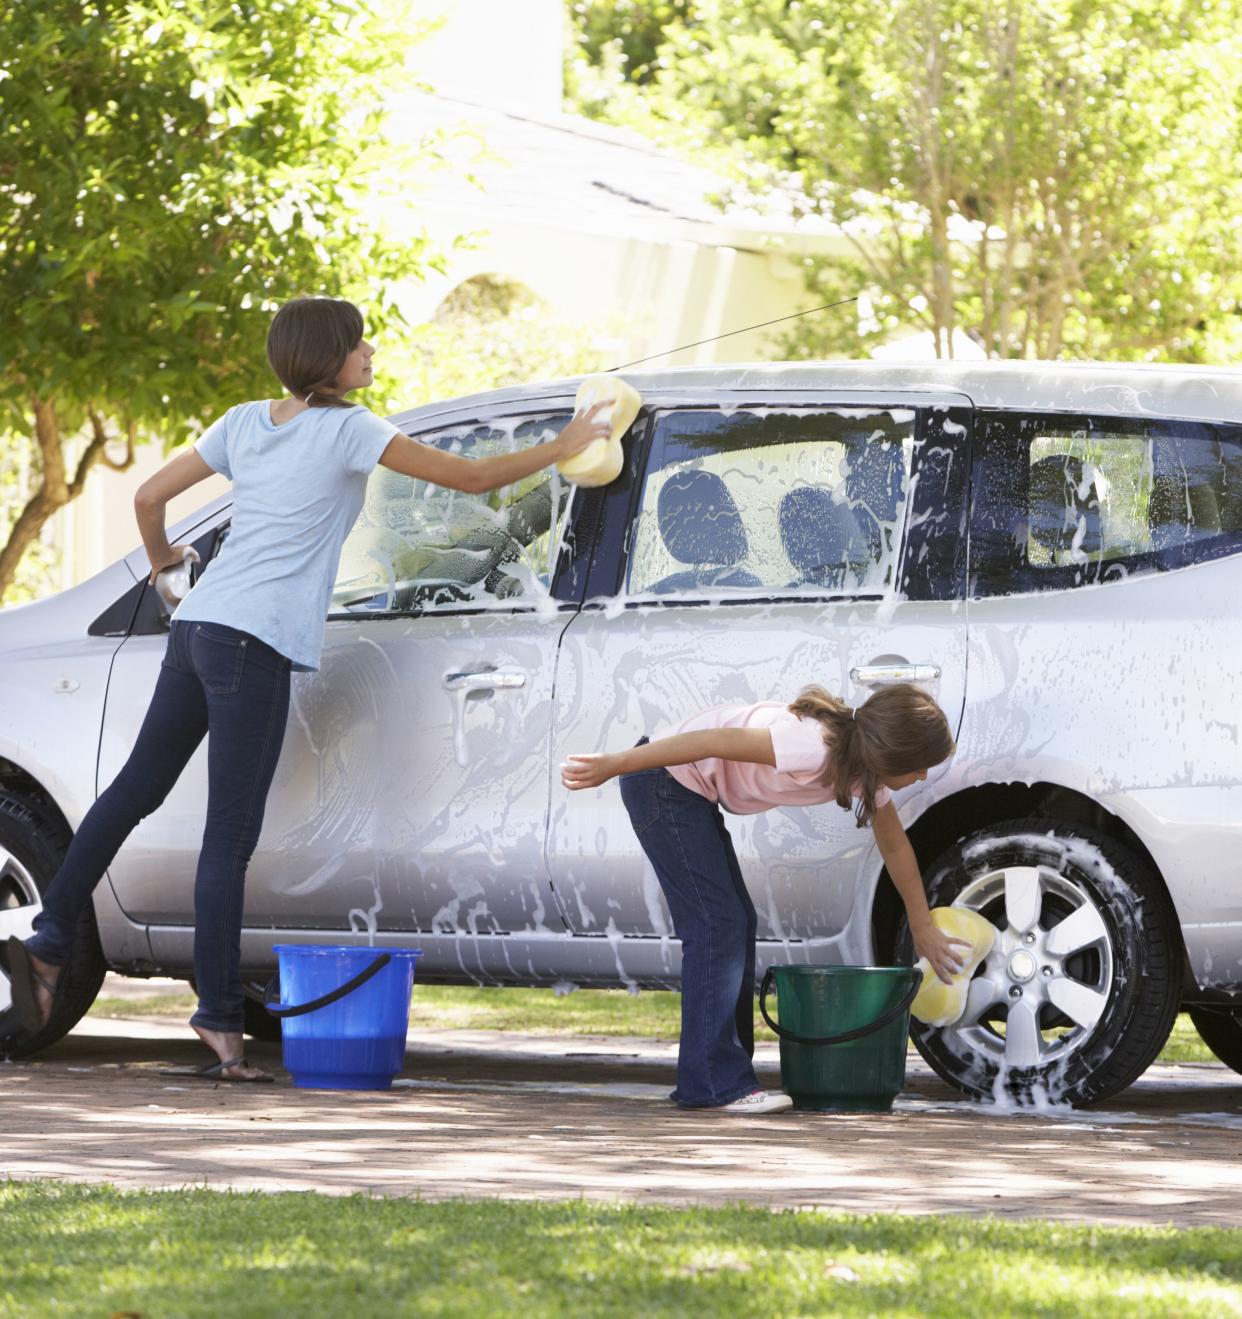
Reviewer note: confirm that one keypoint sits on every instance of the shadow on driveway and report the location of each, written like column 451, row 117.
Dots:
column 482, row 1113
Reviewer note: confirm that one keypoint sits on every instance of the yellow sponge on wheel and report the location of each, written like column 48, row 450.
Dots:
column 601, row 461
column 939, row 1004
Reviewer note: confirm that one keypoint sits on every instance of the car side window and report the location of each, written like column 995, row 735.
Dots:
column 419, row 548
column 1063, row 500
column 798, row 500
column 141, row 612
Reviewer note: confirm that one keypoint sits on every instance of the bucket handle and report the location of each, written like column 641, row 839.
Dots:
column 842, row 1037
column 271, row 997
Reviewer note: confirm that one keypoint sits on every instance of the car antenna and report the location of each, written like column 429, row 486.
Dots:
column 810, row 311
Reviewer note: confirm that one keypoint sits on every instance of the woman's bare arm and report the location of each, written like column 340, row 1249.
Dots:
column 150, row 503
column 749, row 744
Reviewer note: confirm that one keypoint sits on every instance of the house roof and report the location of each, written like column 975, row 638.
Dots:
column 570, row 169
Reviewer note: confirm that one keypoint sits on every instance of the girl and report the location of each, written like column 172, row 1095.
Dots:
column 750, row 758
column 299, row 466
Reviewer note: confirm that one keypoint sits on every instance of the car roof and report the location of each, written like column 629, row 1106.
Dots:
column 1125, row 389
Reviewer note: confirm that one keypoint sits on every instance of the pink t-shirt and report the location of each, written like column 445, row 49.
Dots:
column 743, row 788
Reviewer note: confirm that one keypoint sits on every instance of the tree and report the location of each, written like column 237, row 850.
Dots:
column 170, row 171
column 1054, row 177
column 631, row 31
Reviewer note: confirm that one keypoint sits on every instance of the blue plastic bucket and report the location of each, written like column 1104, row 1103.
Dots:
column 344, row 1013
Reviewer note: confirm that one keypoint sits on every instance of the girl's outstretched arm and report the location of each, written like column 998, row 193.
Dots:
column 749, row 744
column 476, row 475
column 903, row 869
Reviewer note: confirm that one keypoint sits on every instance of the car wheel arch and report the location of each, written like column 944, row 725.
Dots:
column 20, row 782
column 954, row 817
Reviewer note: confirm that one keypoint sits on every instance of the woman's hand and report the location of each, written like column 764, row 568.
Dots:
column 175, row 554
column 583, row 430
column 589, row 771
column 932, row 942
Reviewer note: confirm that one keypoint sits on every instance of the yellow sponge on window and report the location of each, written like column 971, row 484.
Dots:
column 601, row 461
column 939, row 1004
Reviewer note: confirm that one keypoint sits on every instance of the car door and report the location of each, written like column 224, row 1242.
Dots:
column 751, row 550
column 411, row 792
column 1105, row 630
column 421, row 746
column 152, row 874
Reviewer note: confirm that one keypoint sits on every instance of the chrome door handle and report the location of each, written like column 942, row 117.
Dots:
column 880, row 675
column 487, row 680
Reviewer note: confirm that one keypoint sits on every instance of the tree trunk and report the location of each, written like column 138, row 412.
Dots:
column 55, row 489
column 934, row 156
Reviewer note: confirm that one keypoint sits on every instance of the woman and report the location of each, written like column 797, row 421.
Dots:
column 299, row 468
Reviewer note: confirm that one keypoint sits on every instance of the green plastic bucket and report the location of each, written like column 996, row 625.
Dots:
column 843, row 1034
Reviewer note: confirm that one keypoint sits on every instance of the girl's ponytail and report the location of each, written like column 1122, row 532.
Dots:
column 897, row 730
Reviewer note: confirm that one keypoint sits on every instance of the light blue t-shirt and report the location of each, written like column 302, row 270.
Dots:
column 297, row 490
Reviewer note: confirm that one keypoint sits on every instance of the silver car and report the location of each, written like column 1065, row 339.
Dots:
column 1055, row 551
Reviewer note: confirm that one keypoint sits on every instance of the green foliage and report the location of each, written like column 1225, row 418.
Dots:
column 632, row 30
column 1057, row 178
column 94, row 1250
column 170, row 171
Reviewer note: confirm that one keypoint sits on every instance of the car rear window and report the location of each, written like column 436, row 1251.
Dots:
column 1066, row 500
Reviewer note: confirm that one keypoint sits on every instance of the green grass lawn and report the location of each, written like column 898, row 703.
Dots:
column 653, row 1014
column 1185, row 1046
column 69, row 1250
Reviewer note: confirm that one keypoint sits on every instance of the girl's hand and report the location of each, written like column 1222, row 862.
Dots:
column 583, row 430
column 175, row 555
column 931, row 942
column 588, row 771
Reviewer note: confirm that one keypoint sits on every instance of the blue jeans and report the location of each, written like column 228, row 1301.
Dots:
column 685, row 839
column 228, row 686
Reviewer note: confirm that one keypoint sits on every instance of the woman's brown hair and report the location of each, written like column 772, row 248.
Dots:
column 898, row 730
column 307, row 346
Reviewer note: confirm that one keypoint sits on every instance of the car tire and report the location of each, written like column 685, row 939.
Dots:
column 1221, row 1031
column 1082, row 986
column 31, row 850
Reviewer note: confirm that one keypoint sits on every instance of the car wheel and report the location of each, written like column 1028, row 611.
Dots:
column 1082, row 985
column 1221, row 1031
column 31, row 850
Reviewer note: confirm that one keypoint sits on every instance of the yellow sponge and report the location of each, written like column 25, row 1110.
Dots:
column 939, row 1004
column 601, row 461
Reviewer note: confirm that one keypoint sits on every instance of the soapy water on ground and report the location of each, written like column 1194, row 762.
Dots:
column 1065, row 1117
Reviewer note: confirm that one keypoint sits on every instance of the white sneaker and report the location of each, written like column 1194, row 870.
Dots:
column 758, row 1101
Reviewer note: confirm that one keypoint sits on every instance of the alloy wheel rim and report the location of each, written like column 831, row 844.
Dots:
column 20, row 903
column 1052, row 963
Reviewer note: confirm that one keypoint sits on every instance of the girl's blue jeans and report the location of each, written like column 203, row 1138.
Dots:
column 233, row 689
column 685, row 839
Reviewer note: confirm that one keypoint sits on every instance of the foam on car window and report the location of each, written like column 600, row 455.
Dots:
column 815, row 512
column 418, row 546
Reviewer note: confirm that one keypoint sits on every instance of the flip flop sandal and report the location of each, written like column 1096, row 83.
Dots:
column 22, row 981
column 215, row 1072
column 11, row 1034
